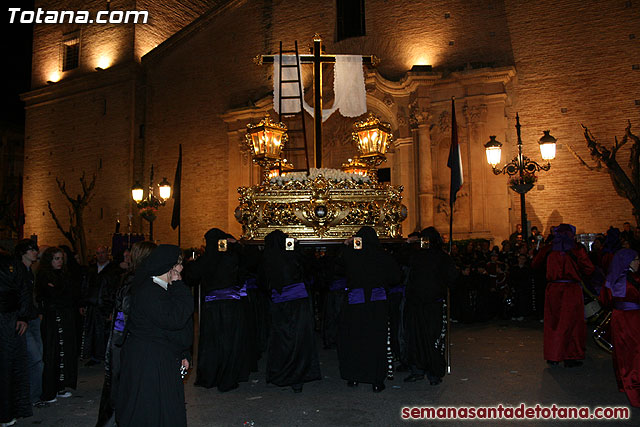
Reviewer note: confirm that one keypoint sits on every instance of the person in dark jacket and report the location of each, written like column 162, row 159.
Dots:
column 106, row 414
column 521, row 281
column 224, row 357
column 292, row 358
column 158, row 335
column 26, row 254
column 103, row 280
column 60, row 354
column 431, row 272
column 14, row 380
column 362, row 337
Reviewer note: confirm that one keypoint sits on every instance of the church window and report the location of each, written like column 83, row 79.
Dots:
column 350, row 18
column 71, row 51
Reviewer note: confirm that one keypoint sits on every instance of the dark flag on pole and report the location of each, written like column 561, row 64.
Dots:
column 20, row 215
column 454, row 162
column 175, row 218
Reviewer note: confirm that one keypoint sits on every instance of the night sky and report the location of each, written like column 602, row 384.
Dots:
column 17, row 42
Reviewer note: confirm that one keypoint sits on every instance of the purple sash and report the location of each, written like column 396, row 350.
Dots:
column 338, row 285
column 118, row 325
column 289, row 293
column 232, row 292
column 625, row 305
column 356, row 296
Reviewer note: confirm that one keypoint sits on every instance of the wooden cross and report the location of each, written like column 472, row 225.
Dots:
column 317, row 59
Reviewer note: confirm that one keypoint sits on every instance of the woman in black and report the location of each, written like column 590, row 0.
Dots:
column 158, row 334
column 60, row 354
column 431, row 272
column 292, row 358
column 223, row 352
column 106, row 415
column 362, row 338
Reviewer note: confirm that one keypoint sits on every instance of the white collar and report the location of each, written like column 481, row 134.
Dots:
column 160, row 282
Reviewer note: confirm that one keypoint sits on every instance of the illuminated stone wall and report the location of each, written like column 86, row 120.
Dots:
column 572, row 63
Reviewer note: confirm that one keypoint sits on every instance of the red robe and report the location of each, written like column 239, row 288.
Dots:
column 625, row 334
column 565, row 329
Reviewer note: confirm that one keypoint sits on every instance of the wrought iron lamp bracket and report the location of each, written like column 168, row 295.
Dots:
column 525, row 165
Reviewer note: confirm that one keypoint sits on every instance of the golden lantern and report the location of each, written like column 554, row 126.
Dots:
column 372, row 137
column 280, row 168
column 265, row 141
column 355, row 166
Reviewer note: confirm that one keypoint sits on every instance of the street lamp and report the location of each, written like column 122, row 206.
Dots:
column 149, row 206
column 372, row 137
column 521, row 169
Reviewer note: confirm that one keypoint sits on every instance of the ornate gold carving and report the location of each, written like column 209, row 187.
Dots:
column 320, row 208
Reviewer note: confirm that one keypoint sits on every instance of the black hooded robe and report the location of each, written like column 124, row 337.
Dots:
column 58, row 328
column 362, row 337
column 431, row 271
column 292, row 358
column 224, row 355
column 158, row 334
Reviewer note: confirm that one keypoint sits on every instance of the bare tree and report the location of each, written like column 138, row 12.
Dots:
column 76, row 233
column 605, row 161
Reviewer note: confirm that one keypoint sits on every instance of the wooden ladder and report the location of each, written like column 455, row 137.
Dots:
column 297, row 135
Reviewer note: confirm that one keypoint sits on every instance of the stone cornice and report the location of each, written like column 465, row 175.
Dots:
column 478, row 76
column 82, row 84
column 403, row 87
column 410, row 82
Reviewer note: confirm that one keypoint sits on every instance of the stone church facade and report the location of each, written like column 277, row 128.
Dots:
column 188, row 77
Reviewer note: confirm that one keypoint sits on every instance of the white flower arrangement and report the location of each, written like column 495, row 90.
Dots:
column 334, row 175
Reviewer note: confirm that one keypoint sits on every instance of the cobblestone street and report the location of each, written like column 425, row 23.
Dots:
column 498, row 362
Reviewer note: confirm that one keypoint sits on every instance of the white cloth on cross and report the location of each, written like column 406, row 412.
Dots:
column 350, row 96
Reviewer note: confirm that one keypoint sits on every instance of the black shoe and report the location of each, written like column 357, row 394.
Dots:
column 572, row 363
column 552, row 363
column 352, row 383
column 413, row 378
column 377, row 388
column 92, row 362
column 40, row 404
column 435, row 381
column 297, row 388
